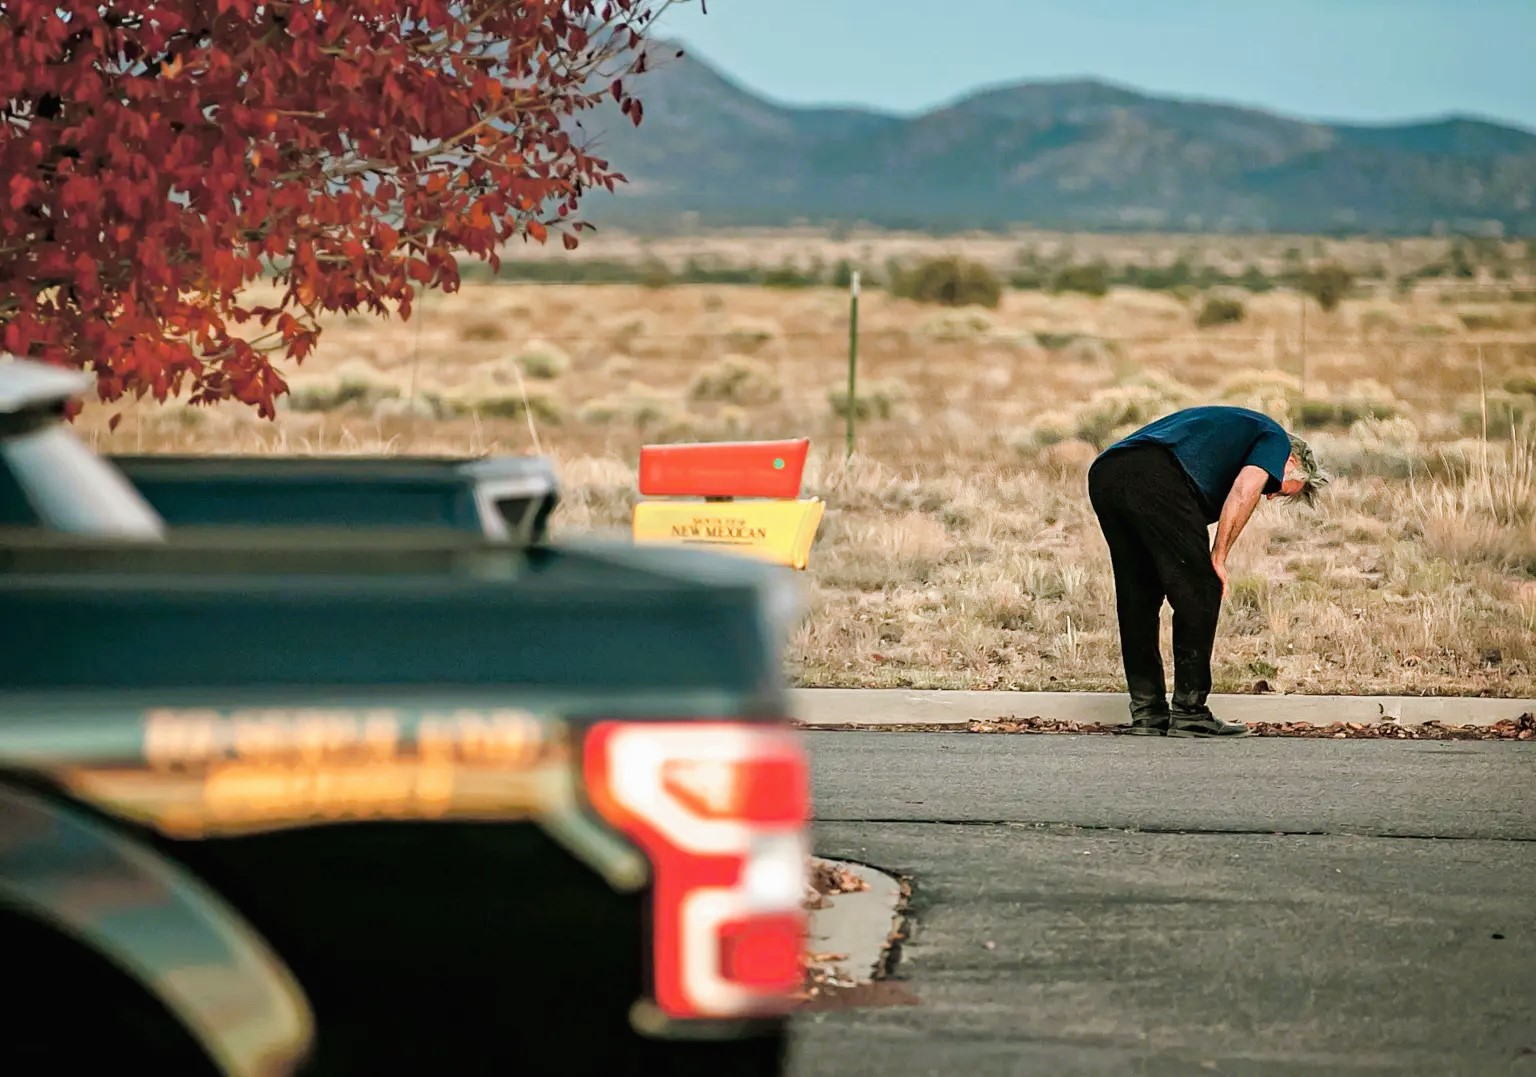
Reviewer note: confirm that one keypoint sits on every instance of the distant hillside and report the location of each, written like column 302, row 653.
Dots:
column 1073, row 154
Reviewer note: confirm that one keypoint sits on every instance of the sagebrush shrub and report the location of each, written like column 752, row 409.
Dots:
column 953, row 282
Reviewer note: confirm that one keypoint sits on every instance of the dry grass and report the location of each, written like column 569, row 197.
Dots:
column 959, row 549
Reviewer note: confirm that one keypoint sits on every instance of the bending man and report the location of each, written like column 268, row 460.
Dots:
column 1155, row 493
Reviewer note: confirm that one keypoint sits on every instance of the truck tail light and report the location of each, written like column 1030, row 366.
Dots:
column 720, row 809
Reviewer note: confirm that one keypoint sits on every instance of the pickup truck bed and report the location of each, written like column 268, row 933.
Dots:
column 501, row 497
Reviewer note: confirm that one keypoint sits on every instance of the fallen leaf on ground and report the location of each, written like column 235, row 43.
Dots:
column 1521, row 728
column 828, row 878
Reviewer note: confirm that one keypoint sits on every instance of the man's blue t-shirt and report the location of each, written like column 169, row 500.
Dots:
column 1213, row 444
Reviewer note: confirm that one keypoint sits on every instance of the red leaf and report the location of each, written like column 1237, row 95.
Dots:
column 21, row 190
column 570, row 240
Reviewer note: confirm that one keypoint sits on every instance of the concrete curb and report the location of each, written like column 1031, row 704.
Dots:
column 901, row 706
column 859, row 924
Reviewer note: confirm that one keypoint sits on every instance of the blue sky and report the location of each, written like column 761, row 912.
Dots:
column 1366, row 60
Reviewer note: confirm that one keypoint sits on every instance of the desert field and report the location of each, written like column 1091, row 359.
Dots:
column 959, row 549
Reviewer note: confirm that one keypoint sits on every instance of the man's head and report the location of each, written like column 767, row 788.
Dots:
column 1304, row 476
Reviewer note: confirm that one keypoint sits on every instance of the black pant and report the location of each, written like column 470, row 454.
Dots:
column 1160, row 548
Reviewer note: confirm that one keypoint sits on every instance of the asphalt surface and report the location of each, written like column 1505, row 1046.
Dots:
column 1106, row 905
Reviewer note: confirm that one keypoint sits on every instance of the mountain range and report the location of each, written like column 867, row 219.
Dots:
column 1060, row 154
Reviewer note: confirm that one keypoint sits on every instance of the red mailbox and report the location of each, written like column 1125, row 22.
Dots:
column 730, row 469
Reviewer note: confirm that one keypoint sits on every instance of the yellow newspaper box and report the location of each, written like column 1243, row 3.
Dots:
column 779, row 527
column 777, row 531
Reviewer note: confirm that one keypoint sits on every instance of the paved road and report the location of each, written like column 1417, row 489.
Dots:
column 1107, row 905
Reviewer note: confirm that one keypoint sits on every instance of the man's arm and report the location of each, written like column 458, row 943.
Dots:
column 1240, row 503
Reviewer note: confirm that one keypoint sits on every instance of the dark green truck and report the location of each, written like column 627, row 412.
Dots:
column 507, row 498
column 403, row 798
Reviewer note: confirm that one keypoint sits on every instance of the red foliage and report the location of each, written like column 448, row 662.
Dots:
column 156, row 157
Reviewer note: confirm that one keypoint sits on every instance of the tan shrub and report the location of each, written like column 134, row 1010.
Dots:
column 1364, row 399
column 640, row 407
column 354, row 382
column 619, row 366
column 1069, row 457
column 1113, row 412
column 965, row 324
column 1050, row 428
column 179, row 415
column 543, row 360
column 1482, row 319
column 737, row 379
column 501, row 402
column 1380, row 321
column 952, row 281
column 1506, row 413
column 422, row 406
column 1173, row 391
column 1088, row 351
column 1021, row 342
column 750, row 335
column 1273, row 392
column 1220, row 309
column 483, row 329
column 626, row 330
column 728, row 423
column 1387, row 448
column 880, row 399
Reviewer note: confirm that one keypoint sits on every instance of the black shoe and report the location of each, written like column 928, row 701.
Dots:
column 1149, row 714
column 1204, row 724
column 1144, row 727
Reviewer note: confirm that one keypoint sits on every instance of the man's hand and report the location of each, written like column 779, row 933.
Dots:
column 1241, row 502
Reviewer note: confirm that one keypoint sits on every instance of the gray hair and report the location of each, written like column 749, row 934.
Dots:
column 1312, row 474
